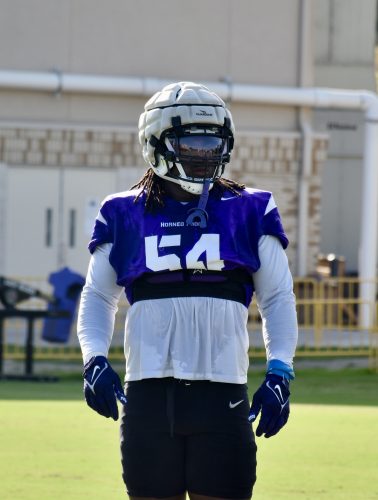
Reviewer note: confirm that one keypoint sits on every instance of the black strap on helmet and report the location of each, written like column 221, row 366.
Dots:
column 177, row 125
column 226, row 130
column 161, row 149
column 159, row 146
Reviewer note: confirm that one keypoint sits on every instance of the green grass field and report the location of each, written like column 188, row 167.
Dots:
column 53, row 447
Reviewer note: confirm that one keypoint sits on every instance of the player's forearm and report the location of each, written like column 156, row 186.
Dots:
column 98, row 306
column 276, row 302
column 280, row 328
column 95, row 324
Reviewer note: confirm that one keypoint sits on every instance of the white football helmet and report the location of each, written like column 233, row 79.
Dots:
column 187, row 135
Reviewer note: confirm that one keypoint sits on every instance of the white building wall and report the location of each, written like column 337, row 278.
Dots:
column 344, row 55
column 202, row 41
column 249, row 41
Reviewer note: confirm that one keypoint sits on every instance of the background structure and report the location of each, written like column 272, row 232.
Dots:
column 62, row 152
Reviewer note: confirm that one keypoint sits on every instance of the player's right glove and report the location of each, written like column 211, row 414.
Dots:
column 102, row 387
column 272, row 398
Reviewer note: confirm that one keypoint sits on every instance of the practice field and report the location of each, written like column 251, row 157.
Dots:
column 53, row 447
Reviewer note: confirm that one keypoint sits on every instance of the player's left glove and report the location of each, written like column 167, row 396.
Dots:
column 272, row 398
column 102, row 387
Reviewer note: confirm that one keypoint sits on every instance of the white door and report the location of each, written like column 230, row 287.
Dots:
column 30, row 221
column 83, row 192
column 49, row 218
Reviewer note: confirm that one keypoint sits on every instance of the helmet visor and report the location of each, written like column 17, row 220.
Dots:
column 199, row 153
column 200, row 146
column 196, row 149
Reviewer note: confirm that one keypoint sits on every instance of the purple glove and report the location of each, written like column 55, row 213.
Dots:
column 272, row 398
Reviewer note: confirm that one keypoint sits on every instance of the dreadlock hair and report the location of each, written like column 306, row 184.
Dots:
column 153, row 186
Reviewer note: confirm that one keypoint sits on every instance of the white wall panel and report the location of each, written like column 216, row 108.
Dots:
column 341, row 209
column 31, row 191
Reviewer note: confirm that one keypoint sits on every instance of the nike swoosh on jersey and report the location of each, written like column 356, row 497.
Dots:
column 229, row 198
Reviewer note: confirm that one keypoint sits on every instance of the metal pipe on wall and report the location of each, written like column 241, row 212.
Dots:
column 305, row 78
column 3, row 213
column 304, row 177
column 367, row 266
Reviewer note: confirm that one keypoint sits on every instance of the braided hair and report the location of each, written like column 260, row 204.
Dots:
column 153, row 186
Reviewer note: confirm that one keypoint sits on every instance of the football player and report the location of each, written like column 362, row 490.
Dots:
column 189, row 247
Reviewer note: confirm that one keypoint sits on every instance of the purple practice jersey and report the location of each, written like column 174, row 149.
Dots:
column 161, row 242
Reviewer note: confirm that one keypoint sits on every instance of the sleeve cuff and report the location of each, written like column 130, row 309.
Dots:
column 277, row 367
column 88, row 357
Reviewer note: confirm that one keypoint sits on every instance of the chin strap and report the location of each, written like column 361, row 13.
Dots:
column 198, row 216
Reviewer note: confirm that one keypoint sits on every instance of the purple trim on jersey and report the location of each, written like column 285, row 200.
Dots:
column 230, row 240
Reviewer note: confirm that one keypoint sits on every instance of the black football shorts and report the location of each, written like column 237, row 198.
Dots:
column 179, row 435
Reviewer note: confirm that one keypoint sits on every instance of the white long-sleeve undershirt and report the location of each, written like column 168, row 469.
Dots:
column 98, row 305
column 214, row 330
column 276, row 301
